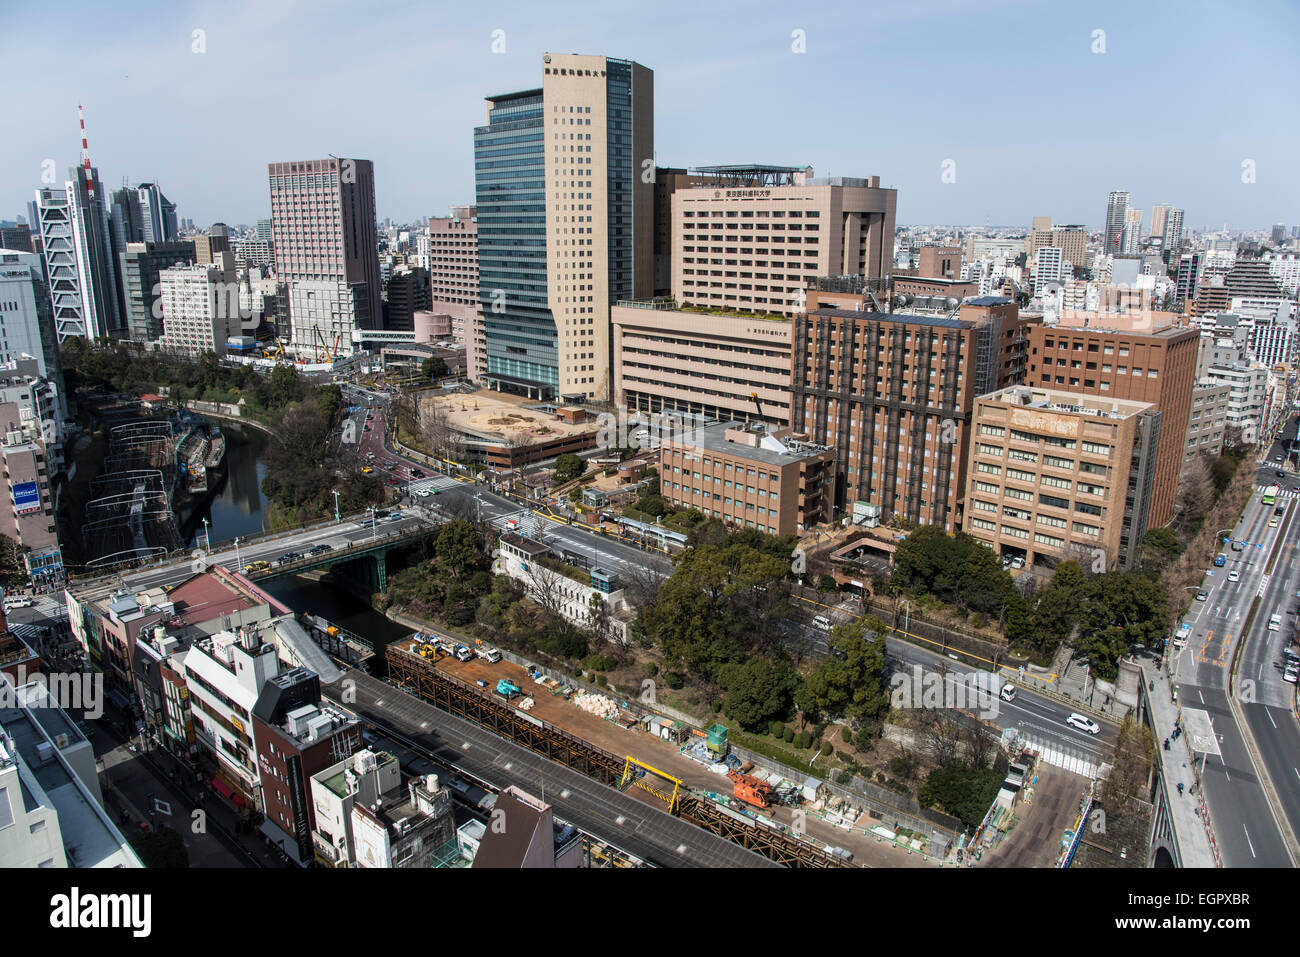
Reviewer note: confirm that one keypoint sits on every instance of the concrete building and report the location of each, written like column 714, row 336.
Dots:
column 26, row 315
column 363, row 818
column 327, row 249
column 892, row 394
column 667, row 182
column 254, row 252
column 1208, row 421
column 749, row 476
column 1247, row 397
column 17, row 238
column 1158, row 367
column 225, row 675
column 593, row 599
column 453, row 282
column 51, row 806
column 939, row 262
column 407, row 292
column 207, row 248
column 42, row 406
column 1048, row 271
column 1131, row 240
column 721, row 367
column 200, row 307
column 1057, row 476
column 79, row 260
column 140, row 265
column 1116, row 220
column 565, row 222
column 297, row 736
column 754, row 238
column 142, row 214
column 30, row 519
column 529, row 836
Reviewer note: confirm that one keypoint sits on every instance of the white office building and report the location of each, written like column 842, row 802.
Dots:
column 200, row 307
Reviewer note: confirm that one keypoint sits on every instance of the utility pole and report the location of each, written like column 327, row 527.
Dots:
column 239, row 565
column 207, row 536
column 336, row 506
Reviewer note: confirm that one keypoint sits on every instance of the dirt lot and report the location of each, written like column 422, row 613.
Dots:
column 1036, row 840
column 663, row 755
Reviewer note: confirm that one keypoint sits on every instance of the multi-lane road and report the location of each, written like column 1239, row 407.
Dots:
column 1222, row 626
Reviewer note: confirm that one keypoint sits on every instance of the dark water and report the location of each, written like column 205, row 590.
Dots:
column 237, row 510
column 237, row 507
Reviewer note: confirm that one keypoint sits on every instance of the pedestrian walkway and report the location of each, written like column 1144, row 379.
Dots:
column 1192, row 827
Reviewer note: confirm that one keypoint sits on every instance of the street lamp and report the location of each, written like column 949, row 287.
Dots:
column 239, row 564
column 336, row 506
column 373, row 533
column 207, row 536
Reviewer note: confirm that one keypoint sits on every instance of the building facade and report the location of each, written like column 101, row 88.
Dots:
column 199, row 307
column 79, row 262
column 564, row 222
column 1207, row 423
column 140, row 265
column 1058, row 476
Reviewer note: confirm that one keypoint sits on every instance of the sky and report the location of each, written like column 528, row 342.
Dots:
column 1029, row 108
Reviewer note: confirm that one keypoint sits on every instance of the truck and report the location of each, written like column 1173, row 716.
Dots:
column 508, row 689
column 490, row 655
column 984, row 686
column 463, row 653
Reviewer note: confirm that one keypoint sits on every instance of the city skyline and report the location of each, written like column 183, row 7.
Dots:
column 949, row 170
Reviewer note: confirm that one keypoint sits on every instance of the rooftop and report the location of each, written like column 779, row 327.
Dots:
column 941, row 322
column 775, row 452
column 1066, row 403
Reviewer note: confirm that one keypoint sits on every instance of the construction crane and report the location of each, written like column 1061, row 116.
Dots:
column 758, row 405
column 750, row 789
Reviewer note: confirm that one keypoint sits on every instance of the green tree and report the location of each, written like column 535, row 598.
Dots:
column 851, row 682
column 457, row 551
column 758, row 692
column 433, row 368
column 568, row 467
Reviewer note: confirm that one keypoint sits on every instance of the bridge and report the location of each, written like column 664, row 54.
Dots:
column 357, row 543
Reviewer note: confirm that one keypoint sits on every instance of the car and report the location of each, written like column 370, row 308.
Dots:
column 381, row 513
column 288, row 557
column 416, row 473
column 1272, row 522
column 1017, row 562
column 1220, row 560
column 1180, row 637
column 1082, row 723
column 481, row 683
column 320, row 549
column 421, row 493
column 1280, row 474
column 257, row 566
column 1234, row 576
column 366, row 470
column 17, row 601
column 394, row 480
column 395, row 516
column 1008, row 692
column 367, row 429
column 1274, row 622
column 1291, row 673
column 1279, row 458
column 1202, row 595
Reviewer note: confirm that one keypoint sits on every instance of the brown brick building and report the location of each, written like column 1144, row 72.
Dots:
column 892, row 395
column 1157, row 367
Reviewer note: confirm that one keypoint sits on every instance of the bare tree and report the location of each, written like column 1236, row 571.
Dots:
column 1195, row 491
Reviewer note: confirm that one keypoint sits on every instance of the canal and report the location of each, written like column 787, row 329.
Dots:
column 238, row 508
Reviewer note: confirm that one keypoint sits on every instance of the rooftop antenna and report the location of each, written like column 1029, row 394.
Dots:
column 85, row 154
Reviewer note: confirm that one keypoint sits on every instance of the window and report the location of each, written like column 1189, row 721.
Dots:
column 1049, row 540
column 6, row 813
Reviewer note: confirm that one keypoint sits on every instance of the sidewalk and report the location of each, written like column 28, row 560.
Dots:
column 1196, row 843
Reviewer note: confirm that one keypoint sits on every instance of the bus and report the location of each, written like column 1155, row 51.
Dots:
column 1270, row 494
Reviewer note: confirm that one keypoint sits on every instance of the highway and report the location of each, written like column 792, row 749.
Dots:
column 1038, row 718
column 1247, row 833
column 603, row 812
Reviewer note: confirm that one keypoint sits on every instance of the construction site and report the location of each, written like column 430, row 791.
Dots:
column 691, row 772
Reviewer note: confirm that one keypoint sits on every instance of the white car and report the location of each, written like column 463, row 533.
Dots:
column 1008, row 692
column 1234, row 576
column 1274, row 622
column 17, row 601
column 1082, row 723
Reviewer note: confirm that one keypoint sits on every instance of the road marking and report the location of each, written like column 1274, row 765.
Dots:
column 1270, row 719
column 1249, row 841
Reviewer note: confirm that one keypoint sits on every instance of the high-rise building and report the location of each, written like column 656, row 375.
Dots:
column 1172, row 234
column 140, row 265
column 142, row 214
column 26, row 317
column 1187, row 284
column 565, row 220
column 327, row 249
column 1047, row 268
column 1116, row 220
column 1058, row 476
column 1159, row 214
column 264, row 230
column 79, row 262
column 200, row 307
column 1208, row 421
column 17, row 238
column 755, row 236
column 407, row 292
column 1131, row 241
column 1279, row 232
column 1157, row 367
column 892, row 394
column 206, row 248
column 30, row 521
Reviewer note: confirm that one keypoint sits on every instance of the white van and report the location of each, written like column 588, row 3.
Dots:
column 1274, row 622
column 17, row 601
column 1184, row 632
column 822, row 622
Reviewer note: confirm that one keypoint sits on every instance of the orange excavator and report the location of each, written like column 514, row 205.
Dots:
column 751, row 790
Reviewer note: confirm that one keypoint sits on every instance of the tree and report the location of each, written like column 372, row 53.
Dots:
column 457, row 551
column 1195, row 492
column 433, row 368
column 569, row 467
column 1160, row 546
column 758, row 692
column 851, row 682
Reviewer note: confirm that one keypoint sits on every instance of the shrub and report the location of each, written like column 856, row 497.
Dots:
column 803, row 740
column 788, row 734
column 846, row 735
column 777, row 730
column 674, row 680
column 651, row 669
column 827, row 748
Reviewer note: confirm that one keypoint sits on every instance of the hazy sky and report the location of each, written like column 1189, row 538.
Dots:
column 1035, row 122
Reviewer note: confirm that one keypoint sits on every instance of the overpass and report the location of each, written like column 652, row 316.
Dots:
column 358, row 542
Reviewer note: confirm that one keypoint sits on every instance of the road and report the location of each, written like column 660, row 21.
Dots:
column 1247, row 833
column 603, row 812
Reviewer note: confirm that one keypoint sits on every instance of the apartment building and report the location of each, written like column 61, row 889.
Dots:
column 1157, row 367
column 1248, row 397
column 453, row 282
column 720, row 367
column 141, row 265
column 892, row 395
column 756, row 236
column 26, row 315
column 1058, row 476
column 30, row 519
column 200, row 307
column 1208, row 420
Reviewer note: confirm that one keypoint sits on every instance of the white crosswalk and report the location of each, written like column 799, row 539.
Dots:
column 1288, row 493
column 439, row 482
column 525, row 523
